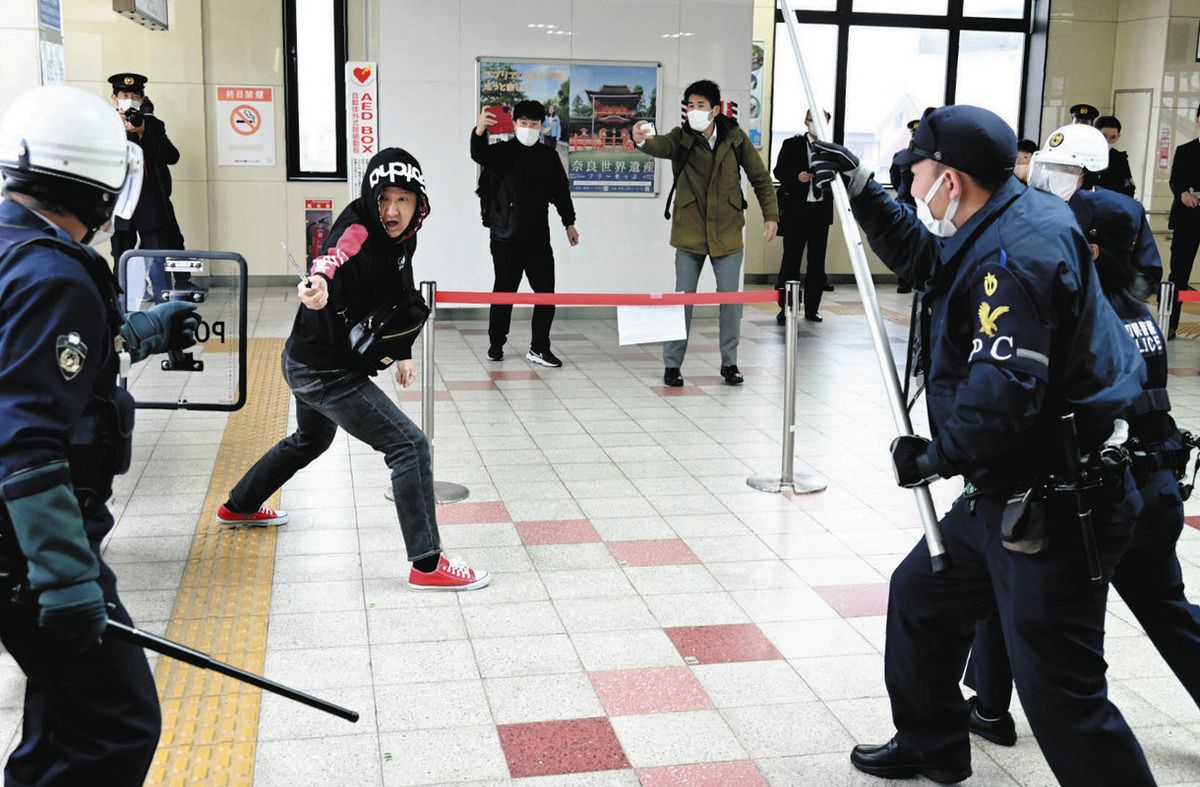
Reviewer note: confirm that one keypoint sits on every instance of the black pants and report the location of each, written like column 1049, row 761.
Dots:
column 90, row 718
column 812, row 233
column 1184, row 245
column 168, row 238
column 535, row 260
column 1052, row 618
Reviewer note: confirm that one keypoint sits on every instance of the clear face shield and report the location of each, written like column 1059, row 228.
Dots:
column 131, row 190
column 1062, row 180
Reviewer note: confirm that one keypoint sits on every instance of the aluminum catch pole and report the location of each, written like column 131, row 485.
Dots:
column 866, row 291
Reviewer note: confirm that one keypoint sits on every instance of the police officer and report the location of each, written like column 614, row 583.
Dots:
column 1117, row 176
column 1020, row 336
column 1084, row 114
column 91, row 710
column 1148, row 575
column 901, row 177
column 1184, row 220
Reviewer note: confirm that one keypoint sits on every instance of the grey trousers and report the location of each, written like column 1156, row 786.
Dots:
column 727, row 270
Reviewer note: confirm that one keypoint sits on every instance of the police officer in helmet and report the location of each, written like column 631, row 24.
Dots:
column 1021, row 335
column 91, row 709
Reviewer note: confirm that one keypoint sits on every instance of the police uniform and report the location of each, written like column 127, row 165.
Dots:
column 1117, row 176
column 902, row 179
column 1020, row 335
column 1145, row 256
column 1084, row 114
column 92, row 717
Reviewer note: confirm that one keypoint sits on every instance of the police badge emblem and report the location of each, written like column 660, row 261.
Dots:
column 71, row 352
column 1056, row 140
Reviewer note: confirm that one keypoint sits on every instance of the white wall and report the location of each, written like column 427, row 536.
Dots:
column 428, row 104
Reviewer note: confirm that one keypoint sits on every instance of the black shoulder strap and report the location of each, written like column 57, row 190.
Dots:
column 678, row 162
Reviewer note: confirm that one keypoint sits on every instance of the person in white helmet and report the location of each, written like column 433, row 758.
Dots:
column 91, row 709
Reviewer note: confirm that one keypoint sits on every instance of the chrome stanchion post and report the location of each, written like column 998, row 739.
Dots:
column 1166, row 302
column 788, row 479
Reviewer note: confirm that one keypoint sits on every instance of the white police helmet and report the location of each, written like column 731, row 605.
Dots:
column 65, row 145
column 1068, row 151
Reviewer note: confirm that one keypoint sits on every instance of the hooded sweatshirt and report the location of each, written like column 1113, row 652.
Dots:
column 364, row 267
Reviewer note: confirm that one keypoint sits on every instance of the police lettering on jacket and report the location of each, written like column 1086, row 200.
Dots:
column 1146, row 336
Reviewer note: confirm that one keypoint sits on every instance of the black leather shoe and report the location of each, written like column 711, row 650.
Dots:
column 732, row 375
column 496, row 353
column 1001, row 731
column 780, row 318
column 889, row 762
column 904, row 289
column 672, row 377
column 814, row 318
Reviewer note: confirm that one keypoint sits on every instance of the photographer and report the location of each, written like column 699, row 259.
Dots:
column 367, row 264
column 153, row 225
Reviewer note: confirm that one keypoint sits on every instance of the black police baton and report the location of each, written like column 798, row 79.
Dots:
column 187, row 655
column 1078, row 478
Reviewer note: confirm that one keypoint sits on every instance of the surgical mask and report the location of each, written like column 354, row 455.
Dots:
column 812, row 127
column 698, row 119
column 527, row 136
column 1061, row 180
column 124, row 104
column 102, row 235
column 943, row 227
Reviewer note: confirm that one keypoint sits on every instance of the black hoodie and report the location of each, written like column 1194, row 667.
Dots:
column 364, row 267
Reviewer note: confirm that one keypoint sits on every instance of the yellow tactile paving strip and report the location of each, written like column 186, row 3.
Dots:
column 210, row 722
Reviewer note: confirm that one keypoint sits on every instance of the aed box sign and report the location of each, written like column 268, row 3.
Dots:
column 362, row 122
column 245, row 126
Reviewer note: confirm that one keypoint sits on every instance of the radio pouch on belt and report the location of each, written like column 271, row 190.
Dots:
column 1023, row 525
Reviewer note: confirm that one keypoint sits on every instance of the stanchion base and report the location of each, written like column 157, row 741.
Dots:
column 800, row 483
column 443, row 492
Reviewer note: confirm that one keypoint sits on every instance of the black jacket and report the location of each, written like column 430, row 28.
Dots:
column 1185, row 174
column 794, row 205
column 522, row 182
column 365, row 269
column 1117, row 175
column 153, row 210
column 902, row 180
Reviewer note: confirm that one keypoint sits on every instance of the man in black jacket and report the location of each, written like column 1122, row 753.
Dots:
column 153, row 225
column 806, row 220
column 1116, row 176
column 522, row 180
column 1184, row 220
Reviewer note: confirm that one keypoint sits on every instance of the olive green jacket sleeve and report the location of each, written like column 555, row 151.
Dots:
column 760, row 179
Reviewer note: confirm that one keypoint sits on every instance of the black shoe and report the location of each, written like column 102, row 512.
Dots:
column 904, row 289
column 496, row 353
column 732, row 375
column 781, row 318
column 1170, row 335
column 672, row 377
column 1001, row 731
column 813, row 317
column 545, row 358
column 828, row 287
column 888, row 762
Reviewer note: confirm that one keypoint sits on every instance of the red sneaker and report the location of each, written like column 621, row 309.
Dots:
column 260, row 518
column 451, row 574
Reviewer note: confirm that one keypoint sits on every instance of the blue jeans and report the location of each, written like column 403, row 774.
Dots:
column 325, row 400
column 727, row 270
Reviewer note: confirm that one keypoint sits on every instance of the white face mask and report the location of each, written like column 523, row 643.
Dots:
column 102, row 235
column 1061, row 180
column 124, row 104
column 527, row 136
column 812, row 127
column 698, row 119
column 943, row 227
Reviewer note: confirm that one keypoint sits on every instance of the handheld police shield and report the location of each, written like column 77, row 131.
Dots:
column 212, row 374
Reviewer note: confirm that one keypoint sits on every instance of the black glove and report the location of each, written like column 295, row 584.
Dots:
column 910, row 461
column 829, row 160
column 80, row 619
column 162, row 328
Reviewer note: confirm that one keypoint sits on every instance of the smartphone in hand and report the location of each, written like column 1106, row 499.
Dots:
column 504, row 120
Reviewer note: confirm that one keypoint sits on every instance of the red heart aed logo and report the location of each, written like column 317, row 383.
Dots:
column 362, row 74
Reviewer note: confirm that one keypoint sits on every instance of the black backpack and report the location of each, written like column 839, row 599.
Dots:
column 497, row 204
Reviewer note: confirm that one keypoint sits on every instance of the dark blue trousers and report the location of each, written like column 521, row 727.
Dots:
column 1149, row 579
column 1052, row 618
column 90, row 718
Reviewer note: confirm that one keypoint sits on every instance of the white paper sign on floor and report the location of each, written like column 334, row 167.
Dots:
column 645, row 324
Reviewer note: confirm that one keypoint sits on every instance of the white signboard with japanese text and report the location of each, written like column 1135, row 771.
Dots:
column 362, row 122
column 245, row 126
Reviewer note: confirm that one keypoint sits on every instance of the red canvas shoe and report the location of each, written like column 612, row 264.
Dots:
column 451, row 574
column 260, row 518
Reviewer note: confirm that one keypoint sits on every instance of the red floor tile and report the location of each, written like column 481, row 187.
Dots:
column 415, row 396
column 1193, row 521
column 657, row 690
column 655, row 552
column 737, row 773
column 472, row 513
column 546, row 748
column 471, row 385
column 723, row 644
column 685, row 390
column 557, row 531
column 856, row 601
column 1184, row 372
column 515, row 375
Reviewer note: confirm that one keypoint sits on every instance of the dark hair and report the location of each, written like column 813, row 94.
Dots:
column 1108, row 121
column 828, row 117
column 705, row 88
column 1027, row 146
column 529, row 110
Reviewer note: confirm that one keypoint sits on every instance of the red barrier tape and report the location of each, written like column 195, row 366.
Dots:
column 607, row 298
column 1188, row 295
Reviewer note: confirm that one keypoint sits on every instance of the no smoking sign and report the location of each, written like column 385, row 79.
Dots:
column 247, row 139
column 245, row 119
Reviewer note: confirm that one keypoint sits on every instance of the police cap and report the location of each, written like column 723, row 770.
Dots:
column 971, row 139
column 912, row 125
column 128, row 82
column 1085, row 113
column 1107, row 221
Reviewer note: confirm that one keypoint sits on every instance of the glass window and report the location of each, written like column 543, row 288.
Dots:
column 316, row 86
column 881, row 101
column 910, row 7
column 788, row 103
column 989, row 72
column 814, row 5
column 1006, row 9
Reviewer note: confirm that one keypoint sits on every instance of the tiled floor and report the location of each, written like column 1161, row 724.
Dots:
column 651, row 618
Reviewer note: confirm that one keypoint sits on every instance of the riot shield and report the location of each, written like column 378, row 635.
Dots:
column 212, row 374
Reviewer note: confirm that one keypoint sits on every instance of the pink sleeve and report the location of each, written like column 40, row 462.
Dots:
column 348, row 245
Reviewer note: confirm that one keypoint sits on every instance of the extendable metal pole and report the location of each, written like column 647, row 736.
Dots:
column 787, row 479
column 866, row 291
column 1166, row 302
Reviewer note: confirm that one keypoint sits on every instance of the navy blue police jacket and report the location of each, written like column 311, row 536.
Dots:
column 56, row 351
column 1145, row 258
column 1019, row 333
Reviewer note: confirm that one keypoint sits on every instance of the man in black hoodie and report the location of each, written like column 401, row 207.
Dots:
column 522, row 179
column 367, row 262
